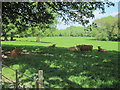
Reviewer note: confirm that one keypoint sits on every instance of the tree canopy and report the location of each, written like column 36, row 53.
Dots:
column 73, row 31
column 25, row 14
column 43, row 12
column 107, row 28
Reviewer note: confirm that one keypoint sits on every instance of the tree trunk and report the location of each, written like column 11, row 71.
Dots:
column 0, row 46
column 11, row 38
column 5, row 39
column 38, row 38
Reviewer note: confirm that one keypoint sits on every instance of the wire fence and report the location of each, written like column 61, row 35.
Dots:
column 37, row 82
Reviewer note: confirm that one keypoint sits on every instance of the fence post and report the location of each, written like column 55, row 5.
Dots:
column 37, row 85
column 16, row 81
column 40, row 75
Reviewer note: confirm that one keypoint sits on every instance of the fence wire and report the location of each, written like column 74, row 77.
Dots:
column 24, row 75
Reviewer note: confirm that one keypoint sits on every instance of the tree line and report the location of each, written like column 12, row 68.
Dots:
column 106, row 28
column 72, row 31
column 39, row 19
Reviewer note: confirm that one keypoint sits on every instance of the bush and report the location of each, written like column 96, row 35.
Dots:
column 105, row 39
column 102, row 36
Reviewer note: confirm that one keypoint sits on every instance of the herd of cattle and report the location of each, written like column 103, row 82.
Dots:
column 82, row 48
column 17, row 52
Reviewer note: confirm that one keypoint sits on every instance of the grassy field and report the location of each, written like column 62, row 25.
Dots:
column 63, row 68
column 64, row 42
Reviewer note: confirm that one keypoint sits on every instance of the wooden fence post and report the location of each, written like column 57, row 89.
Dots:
column 16, row 81
column 37, row 85
column 40, row 75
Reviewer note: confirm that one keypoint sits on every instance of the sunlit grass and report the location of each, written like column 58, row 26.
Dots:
column 64, row 42
column 63, row 68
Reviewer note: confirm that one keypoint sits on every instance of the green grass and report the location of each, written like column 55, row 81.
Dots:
column 63, row 68
column 64, row 42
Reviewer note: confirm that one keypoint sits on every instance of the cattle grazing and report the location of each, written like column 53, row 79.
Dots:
column 53, row 46
column 101, row 50
column 73, row 48
column 85, row 47
column 16, row 52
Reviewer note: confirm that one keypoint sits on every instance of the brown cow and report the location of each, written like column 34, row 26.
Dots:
column 85, row 47
column 16, row 52
column 101, row 50
column 53, row 46
column 73, row 48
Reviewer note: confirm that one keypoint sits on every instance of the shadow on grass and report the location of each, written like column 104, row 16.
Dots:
column 97, row 40
column 40, row 42
column 34, row 41
column 45, row 42
column 63, row 68
column 104, row 40
column 94, row 39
